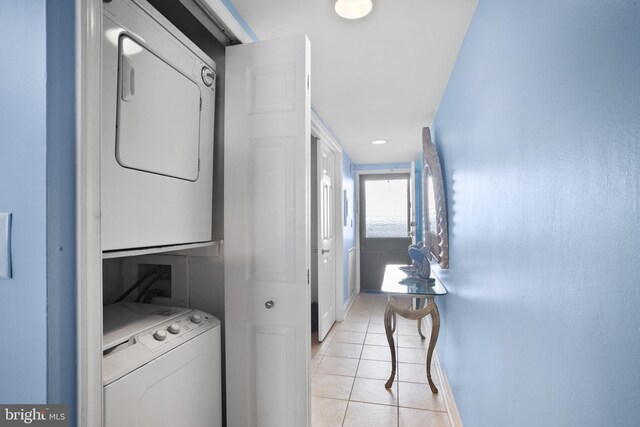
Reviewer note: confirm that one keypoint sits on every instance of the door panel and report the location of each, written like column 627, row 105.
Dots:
column 267, row 155
column 326, row 239
column 384, row 225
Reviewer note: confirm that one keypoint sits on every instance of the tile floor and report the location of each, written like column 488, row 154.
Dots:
column 352, row 364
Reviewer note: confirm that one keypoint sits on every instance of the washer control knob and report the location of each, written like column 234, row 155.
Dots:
column 174, row 328
column 196, row 318
column 160, row 335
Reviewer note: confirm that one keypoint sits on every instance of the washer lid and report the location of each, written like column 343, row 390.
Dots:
column 125, row 319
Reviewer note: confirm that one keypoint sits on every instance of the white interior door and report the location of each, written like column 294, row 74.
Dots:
column 326, row 240
column 267, row 257
column 412, row 203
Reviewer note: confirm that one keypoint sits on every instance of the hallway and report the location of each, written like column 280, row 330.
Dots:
column 351, row 366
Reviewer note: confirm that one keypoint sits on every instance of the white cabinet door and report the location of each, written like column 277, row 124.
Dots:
column 267, row 187
column 326, row 240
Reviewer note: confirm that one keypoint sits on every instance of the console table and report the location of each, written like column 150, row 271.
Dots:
column 396, row 283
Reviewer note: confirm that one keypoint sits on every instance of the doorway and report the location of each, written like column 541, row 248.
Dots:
column 323, row 236
column 385, row 225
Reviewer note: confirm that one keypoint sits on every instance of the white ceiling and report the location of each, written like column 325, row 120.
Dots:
column 381, row 77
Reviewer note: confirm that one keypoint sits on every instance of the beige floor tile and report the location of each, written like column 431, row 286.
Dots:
column 327, row 412
column 368, row 415
column 331, row 386
column 411, row 355
column 378, row 310
column 420, row 418
column 402, row 321
column 348, row 377
column 419, row 396
column 375, row 369
column 330, row 334
column 341, row 349
column 377, row 319
column 416, row 373
column 376, row 339
column 315, row 361
column 360, row 309
column 352, row 326
column 374, row 352
column 357, row 318
column 319, row 347
column 413, row 341
column 372, row 391
column 359, row 312
column 409, row 329
column 349, row 337
column 376, row 328
column 338, row 366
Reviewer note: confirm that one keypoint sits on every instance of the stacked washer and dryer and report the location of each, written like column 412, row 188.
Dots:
column 161, row 365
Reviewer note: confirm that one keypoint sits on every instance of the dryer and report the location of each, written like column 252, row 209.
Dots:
column 161, row 367
column 158, row 130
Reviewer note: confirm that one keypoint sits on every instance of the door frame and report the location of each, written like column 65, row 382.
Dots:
column 359, row 174
column 88, row 45
column 320, row 131
column 88, row 98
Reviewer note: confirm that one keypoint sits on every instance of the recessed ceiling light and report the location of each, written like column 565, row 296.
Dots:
column 379, row 141
column 353, row 9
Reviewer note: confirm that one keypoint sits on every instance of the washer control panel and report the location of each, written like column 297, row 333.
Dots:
column 176, row 329
column 154, row 340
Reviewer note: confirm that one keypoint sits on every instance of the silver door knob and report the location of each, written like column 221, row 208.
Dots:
column 324, row 251
column 269, row 304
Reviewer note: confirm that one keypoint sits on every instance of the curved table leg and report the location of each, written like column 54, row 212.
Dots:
column 420, row 328
column 435, row 329
column 394, row 323
column 389, row 316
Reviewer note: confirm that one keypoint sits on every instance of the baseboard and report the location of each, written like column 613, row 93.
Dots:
column 347, row 305
column 445, row 387
column 447, row 393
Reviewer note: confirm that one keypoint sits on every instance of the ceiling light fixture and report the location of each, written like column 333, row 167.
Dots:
column 353, row 9
column 379, row 141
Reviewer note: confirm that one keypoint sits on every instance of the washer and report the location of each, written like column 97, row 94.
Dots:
column 161, row 367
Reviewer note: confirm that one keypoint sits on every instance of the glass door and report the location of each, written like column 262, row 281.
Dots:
column 385, row 225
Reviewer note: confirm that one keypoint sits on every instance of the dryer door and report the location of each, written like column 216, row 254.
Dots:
column 158, row 128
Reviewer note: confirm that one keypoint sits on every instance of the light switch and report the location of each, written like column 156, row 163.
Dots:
column 5, row 246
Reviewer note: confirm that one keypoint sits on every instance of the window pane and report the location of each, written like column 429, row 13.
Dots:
column 386, row 208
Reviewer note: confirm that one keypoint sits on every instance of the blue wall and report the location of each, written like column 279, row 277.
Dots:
column 539, row 134
column 37, row 169
column 23, row 130
column 349, row 230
